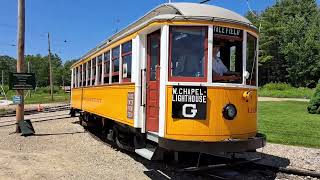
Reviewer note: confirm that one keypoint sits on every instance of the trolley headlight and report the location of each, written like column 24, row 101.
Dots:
column 229, row 111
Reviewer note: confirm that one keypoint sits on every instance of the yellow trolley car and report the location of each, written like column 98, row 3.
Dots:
column 181, row 78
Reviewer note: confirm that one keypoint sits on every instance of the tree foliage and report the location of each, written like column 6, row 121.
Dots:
column 7, row 65
column 289, row 42
column 40, row 66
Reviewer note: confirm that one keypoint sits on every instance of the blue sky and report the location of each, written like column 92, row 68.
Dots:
column 82, row 23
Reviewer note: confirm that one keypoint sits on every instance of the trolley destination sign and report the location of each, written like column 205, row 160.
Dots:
column 189, row 102
column 22, row 81
column 227, row 31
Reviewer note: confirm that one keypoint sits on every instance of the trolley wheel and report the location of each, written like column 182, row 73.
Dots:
column 72, row 113
column 120, row 141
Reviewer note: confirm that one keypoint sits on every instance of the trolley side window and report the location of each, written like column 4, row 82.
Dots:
column 84, row 80
column 99, row 80
column 227, row 55
column 251, row 60
column 126, row 61
column 115, row 64
column 89, row 73
column 93, row 71
column 106, row 67
column 188, row 54
column 75, row 77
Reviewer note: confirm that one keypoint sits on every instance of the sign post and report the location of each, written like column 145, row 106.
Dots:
column 20, row 62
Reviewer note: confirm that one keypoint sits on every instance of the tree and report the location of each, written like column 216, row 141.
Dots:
column 66, row 72
column 40, row 66
column 289, row 42
column 7, row 64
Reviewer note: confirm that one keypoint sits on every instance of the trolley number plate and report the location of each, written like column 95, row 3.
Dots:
column 189, row 102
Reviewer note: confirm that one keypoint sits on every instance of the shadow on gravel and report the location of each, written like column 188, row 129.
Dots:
column 169, row 169
column 58, row 134
column 44, row 120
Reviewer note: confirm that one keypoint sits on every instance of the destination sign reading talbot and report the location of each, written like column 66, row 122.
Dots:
column 189, row 102
column 227, row 31
column 22, row 81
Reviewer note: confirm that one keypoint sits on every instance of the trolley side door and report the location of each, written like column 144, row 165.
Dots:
column 153, row 79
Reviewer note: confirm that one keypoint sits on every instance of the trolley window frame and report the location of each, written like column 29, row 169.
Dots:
column 113, row 58
column 205, row 68
column 124, row 54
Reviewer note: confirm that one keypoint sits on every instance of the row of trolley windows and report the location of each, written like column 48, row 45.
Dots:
column 99, row 68
column 188, row 57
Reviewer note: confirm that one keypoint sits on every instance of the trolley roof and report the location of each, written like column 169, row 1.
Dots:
column 176, row 11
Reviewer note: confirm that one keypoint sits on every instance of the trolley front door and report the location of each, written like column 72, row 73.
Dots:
column 153, row 77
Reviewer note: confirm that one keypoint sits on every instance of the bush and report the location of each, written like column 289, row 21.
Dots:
column 283, row 90
column 314, row 104
column 277, row 86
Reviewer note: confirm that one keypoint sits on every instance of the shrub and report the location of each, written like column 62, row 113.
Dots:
column 314, row 104
column 277, row 86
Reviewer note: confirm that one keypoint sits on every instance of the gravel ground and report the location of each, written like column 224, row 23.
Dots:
column 61, row 149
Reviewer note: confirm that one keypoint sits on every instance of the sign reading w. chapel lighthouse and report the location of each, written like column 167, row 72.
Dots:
column 189, row 102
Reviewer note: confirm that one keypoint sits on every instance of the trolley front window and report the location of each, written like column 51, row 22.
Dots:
column 188, row 54
column 227, row 55
column 251, row 60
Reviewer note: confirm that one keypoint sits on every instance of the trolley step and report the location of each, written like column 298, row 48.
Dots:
column 146, row 152
column 151, row 153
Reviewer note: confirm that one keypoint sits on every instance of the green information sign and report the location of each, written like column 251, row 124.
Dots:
column 22, row 81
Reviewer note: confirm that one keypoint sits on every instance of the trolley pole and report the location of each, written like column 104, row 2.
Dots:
column 50, row 68
column 20, row 62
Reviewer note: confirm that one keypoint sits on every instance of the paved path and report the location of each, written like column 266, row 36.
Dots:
column 282, row 99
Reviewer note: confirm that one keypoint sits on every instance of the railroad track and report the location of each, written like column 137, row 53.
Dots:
column 44, row 109
column 238, row 169
column 216, row 167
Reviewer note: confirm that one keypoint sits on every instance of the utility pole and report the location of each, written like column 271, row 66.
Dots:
column 50, row 68
column 20, row 62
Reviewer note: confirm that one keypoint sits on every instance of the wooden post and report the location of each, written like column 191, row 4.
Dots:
column 50, row 68
column 20, row 62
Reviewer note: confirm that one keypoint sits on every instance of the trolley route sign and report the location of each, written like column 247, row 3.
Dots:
column 189, row 102
column 227, row 31
column 22, row 81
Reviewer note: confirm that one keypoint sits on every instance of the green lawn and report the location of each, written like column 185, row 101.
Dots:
column 286, row 93
column 40, row 97
column 289, row 123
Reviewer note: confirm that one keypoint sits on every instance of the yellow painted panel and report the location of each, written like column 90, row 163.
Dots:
column 215, row 127
column 108, row 101
column 76, row 98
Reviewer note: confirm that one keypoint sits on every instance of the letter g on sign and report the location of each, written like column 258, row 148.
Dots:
column 193, row 110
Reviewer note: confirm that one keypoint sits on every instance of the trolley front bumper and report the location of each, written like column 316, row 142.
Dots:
column 232, row 145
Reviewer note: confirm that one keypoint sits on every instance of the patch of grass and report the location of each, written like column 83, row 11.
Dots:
column 41, row 96
column 289, row 123
column 284, row 91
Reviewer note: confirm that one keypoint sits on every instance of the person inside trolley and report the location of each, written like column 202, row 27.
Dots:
column 219, row 71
